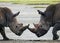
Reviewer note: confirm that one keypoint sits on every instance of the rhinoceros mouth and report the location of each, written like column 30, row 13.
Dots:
column 41, row 32
column 19, row 34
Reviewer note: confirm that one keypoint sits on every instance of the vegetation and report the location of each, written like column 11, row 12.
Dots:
column 32, row 2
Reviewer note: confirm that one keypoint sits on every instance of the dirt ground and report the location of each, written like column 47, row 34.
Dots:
column 30, row 41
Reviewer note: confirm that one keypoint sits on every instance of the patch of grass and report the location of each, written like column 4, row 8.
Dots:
column 32, row 2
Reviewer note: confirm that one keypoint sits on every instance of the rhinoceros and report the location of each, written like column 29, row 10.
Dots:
column 7, row 19
column 49, row 18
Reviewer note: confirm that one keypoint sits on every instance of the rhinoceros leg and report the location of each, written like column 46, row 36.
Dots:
column 2, row 31
column 54, row 32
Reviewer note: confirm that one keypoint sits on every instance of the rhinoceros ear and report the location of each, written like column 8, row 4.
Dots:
column 16, row 14
column 40, row 12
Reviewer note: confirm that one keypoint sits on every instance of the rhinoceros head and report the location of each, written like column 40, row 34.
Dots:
column 16, row 27
column 42, row 27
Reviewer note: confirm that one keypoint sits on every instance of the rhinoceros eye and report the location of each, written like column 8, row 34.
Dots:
column 16, row 26
column 41, row 26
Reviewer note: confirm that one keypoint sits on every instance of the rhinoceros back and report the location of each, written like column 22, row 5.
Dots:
column 56, row 17
column 5, row 15
column 53, row 13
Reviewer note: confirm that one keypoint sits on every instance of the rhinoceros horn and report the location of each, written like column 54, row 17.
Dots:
column 36, row 25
